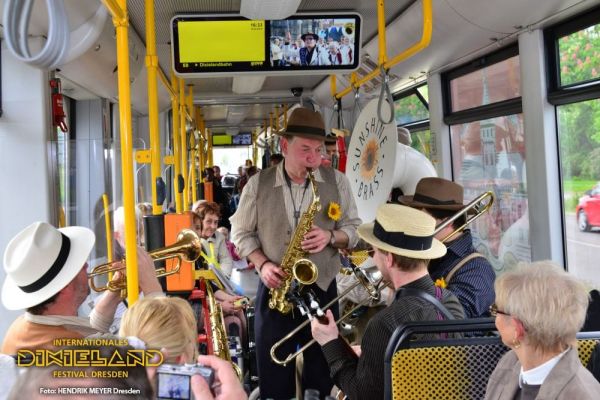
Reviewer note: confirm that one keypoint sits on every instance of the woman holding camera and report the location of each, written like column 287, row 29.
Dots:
column 539, row 309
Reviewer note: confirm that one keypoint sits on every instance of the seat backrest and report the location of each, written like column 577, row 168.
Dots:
column 451, row 368
column 456, row 368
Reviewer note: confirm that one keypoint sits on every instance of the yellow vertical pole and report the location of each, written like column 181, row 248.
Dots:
column 333, row 84
column 192, row 184
column 121, row 23
column 381, row 31
column 209, row 149
column 285, row 110
column 183, row 141
column 192, row 162
column 271, row 144
column 176, row 143
column 152, row 67
column 255, row 133
column 202, row 155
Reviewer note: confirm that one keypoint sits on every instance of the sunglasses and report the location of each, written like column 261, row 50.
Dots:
column 494, row 311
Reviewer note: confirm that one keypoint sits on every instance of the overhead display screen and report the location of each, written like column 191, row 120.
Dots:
column 221, row 45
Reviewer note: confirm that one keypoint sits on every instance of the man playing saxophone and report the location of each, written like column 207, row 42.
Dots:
column 270, row 215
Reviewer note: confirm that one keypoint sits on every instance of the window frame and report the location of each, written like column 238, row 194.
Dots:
column 493, row 110
column 414, row 90
column 574, row 93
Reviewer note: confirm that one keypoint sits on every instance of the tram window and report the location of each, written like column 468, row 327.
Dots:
column 411, row 111
column 574, row 47
column 487, row 141
column 490, row 80
column 220, row 45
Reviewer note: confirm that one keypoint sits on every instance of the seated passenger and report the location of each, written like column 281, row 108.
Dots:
column 539, row 309
column 214, row 248
column 164, row 323
column 403, row 243
column 206, row 222
column 467, row 274
column 46, row 274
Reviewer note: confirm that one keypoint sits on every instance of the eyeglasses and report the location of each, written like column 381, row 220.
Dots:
column 371, row 252
column 495, row 311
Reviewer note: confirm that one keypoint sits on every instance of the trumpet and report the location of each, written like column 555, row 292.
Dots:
column 477, row 208
column 187, row 248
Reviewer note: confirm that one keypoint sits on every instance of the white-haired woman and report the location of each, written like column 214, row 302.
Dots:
column 539, row 309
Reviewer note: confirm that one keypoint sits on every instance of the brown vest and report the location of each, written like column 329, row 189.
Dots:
column 273, row 224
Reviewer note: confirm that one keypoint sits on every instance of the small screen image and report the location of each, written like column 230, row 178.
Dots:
column 219, row 45
column 310, row 42
column 173, row 386
column 242, row 139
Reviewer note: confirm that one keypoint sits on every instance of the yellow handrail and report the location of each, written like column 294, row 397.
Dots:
column 183, row 146
column 152, row 67
column 423, row 43
column 121, row 23
column 176, row 142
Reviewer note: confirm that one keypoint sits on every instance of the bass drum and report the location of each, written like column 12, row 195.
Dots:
column 377, row 162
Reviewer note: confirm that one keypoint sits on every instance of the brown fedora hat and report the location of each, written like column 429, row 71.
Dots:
column 305, row 123
column 436, row 193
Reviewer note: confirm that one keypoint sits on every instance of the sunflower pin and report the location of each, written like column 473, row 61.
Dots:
column 441, row 283
column 334, row 211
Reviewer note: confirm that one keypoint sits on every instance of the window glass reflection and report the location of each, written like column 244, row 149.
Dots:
column 489, row 155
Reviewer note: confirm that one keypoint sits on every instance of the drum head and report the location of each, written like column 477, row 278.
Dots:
column 371, row 160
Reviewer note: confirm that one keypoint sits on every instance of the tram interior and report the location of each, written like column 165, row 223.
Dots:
column 60, row 177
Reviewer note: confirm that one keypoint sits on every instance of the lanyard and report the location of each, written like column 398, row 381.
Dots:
column 289, row 183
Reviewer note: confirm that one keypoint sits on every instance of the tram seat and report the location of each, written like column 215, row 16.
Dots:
column 450, row 369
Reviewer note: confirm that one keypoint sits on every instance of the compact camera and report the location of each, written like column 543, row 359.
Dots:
column 174, row 381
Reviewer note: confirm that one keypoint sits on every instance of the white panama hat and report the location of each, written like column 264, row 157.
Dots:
column 404, row 231
column 41, row 260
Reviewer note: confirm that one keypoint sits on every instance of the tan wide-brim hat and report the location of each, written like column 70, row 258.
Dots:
column 436, row 193
column 41, row 260
column 404, row 231
column 305, row 123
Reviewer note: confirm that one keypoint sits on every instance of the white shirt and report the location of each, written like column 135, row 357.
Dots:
column 537, row 375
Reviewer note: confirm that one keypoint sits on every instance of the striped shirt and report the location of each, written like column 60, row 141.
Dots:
column 473, row 283
column 362, row 378
column 244, row 221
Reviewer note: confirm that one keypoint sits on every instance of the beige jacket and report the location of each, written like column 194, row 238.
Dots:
column 568, row 380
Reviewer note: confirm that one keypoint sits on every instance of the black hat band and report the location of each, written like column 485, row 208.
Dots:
column 430, row 200
column 401, row 239
column 299, row 129
column 56, row 267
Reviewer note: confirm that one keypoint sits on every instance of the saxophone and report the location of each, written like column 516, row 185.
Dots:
column 218, row 335
column 294, row 262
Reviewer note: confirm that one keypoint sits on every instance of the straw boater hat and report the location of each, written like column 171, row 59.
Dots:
column 305, row 123
column 41, row 261
column 404, row 231
column 330, row 139
column 437, row 194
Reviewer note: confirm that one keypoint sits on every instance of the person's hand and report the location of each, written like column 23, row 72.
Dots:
column 147, row 273
column 226, row 385
column 272, row 275
column 324, row 332
column 288, row 36
column 316, row 240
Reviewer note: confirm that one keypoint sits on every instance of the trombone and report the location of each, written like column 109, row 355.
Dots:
column 187, row 248
column 476, row 208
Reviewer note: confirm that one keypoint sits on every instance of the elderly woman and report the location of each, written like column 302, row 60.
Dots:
column 539, row 309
